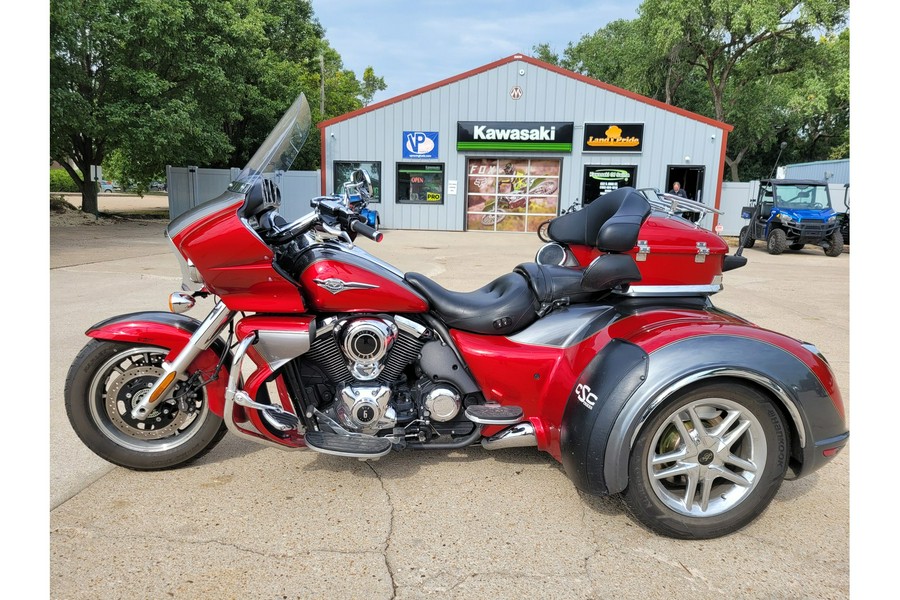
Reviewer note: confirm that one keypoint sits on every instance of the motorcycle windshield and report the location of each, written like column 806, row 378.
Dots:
column 280, row 149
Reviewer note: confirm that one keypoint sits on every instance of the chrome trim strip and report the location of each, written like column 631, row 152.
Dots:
column 765, row 382
column 409, row 326
column 202, row 339
column 670, row 290
column 336, row 286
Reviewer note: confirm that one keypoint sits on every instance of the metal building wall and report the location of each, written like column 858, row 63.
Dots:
column 548, row 96
column 839, row 170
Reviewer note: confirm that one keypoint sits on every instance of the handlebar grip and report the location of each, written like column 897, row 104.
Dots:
column 363, row 229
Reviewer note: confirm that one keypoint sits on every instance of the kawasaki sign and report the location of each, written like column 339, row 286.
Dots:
column 514, row 136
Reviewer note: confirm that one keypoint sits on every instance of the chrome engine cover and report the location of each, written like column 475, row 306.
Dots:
column 442, row 404
column 365, row 408
column 366, row 342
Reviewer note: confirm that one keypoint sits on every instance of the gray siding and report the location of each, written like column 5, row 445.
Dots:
column 548, row 96
column 839, row 170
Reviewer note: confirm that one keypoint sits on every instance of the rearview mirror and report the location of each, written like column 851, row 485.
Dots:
column 361, row 177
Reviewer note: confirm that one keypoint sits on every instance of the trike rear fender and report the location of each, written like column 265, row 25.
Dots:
column 794, row 375
column 171, row 331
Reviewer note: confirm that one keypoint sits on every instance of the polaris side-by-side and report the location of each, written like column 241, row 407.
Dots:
column 606, row 352
column 791, row 213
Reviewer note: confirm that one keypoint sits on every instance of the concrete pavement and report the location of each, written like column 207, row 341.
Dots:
column 248, row 521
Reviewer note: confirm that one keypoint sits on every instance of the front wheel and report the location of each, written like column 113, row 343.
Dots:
column 708, row 462
column 104, row 383
column 777, row 241
column 834, row 244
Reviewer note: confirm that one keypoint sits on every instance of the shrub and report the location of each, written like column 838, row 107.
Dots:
column 60, row 181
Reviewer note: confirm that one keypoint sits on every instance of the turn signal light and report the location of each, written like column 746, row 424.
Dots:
column 831, row 451
column 180, row 302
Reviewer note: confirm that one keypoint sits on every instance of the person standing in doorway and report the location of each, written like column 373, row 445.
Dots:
column 677, row 191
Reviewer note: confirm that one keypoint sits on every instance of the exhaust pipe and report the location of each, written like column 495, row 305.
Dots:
column 519, row 435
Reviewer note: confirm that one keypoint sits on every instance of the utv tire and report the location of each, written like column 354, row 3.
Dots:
column 104, row 382
column 796, row 246
column 697, row 482
column 835, row 244
column 745, row 239
column 777, row 242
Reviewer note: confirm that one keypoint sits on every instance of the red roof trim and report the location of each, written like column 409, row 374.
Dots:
column 538, row 63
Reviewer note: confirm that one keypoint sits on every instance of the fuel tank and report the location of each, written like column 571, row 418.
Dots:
column 336, row 277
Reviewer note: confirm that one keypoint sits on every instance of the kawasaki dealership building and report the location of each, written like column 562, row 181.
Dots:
column 506, row 146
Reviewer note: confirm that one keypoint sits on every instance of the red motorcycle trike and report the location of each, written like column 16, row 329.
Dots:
column 606, row 353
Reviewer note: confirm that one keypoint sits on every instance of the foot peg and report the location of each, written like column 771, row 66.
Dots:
column 275, row 415
column 494, row 414
column 353, row 446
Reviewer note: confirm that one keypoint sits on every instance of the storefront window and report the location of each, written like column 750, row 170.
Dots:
column 343, row 169
column 419, row 183
column 511, row 194
column 601, row 179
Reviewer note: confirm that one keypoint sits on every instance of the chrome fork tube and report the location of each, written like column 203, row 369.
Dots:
column 202, row 339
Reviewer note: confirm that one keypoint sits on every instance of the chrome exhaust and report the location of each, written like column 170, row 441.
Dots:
column 519, row 435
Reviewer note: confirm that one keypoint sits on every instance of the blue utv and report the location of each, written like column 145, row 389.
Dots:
column 790, row 213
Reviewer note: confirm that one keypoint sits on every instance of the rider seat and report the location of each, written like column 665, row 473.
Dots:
column 610, row 223
column 503, row 306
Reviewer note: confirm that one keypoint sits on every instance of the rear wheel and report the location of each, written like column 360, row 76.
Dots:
column 708, row 462
column 835, row 244
column 746, row 240
column 777, row 241
column 105, row 382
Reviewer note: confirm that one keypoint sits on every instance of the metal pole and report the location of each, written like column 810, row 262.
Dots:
column 322, row 89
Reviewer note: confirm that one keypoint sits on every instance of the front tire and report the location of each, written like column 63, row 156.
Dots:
column 708, row 462
column 777, row 241
column 835, row 244
column 746, row 239
column 103, row 384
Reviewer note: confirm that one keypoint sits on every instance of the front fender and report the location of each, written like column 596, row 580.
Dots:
column 793, row 374
column 171, row 331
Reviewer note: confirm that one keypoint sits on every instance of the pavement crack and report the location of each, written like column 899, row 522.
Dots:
column 390, row 533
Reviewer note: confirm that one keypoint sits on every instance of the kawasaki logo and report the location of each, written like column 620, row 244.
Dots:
column 544, row 134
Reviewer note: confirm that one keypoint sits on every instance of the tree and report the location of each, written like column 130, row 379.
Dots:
column 756, row 65
column 730, row 43
column 372, row 84
column 181, row 82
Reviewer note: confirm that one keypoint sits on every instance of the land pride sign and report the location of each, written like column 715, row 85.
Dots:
column 514, row 136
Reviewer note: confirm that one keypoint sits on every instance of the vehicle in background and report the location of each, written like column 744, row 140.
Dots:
column 790, row 213
column 106, row 186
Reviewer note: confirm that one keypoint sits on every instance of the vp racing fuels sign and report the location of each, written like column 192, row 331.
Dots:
column 514, row 136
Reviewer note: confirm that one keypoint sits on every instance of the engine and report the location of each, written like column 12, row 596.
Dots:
column 383, row 372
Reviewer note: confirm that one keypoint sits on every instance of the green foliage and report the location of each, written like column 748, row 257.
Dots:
column 756, row 65
column 139, row 84
column 61, row 181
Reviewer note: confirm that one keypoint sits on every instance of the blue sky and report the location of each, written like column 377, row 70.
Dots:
column 413, row 44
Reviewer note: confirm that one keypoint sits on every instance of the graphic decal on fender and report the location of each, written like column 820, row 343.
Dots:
column 336, row 286
column 585, row 396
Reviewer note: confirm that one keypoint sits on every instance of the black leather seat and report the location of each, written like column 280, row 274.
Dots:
column 577, row 285
column 503, row 306
column 611, row 222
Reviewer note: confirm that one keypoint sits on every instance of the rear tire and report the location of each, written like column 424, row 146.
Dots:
column 777, row 241
column 708, row 462
column 835, row 244
column 102, row 385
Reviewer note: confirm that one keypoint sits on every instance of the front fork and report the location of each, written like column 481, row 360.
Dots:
column 202, row 339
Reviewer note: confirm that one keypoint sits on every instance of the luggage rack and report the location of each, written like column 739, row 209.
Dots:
column 675, row 205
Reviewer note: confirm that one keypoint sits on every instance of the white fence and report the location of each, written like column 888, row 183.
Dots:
column 191, row 186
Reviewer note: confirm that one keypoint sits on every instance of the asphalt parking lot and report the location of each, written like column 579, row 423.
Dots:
column 248, row 521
